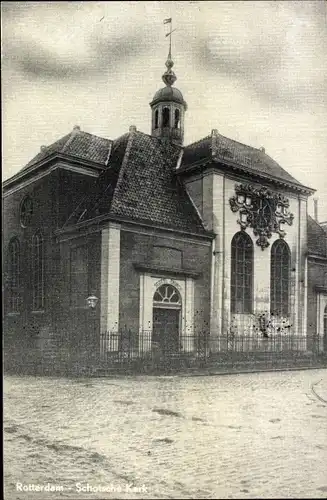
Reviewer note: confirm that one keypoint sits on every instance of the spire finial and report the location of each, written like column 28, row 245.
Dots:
column 169, row 77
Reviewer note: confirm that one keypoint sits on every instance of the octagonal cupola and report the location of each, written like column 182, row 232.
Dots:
column 168, row 108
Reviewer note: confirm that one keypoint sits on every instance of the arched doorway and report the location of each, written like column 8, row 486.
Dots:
column 325, row 329
column 167, row 306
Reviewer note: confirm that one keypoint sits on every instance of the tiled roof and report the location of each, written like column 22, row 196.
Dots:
column 140, row 185
column 323, row 225
column 317, row 243
column 222, row 149
column 99, row 198
column 77, row 144
column 148, row 190
column 197, row 151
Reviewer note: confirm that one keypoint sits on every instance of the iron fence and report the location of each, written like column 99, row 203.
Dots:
column 141, row 351
column 129, row 345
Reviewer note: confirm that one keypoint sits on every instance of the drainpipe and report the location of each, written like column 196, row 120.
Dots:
column 222, row 323
column 212, row 284
column 305, row 308
column 298, row 287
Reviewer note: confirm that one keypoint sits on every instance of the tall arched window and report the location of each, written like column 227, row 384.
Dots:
column 176, row 121
column 156, row 118
column 38, row 271
column 241, row 273
column 279, row 278
column 14, row 275
column 165, row 117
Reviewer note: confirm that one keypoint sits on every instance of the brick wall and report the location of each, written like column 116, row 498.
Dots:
column 138, row 248
column 53, row 197
column 79, row 323
column 22, row 328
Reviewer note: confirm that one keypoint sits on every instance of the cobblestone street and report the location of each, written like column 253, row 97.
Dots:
column 260, row 435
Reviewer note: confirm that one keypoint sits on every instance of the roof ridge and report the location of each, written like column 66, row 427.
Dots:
column 242, row 143
column 69, row 140
column 120, row 137
column 225, row 137
column 123, row 167
column 197, row 142
column 195, row 209
column 94, row 135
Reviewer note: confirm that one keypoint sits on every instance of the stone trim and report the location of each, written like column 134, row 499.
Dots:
column 165, row 271
column 110, row 275
column 35, row 177
column 221, row 165
column 148, row 286
column 321, row 304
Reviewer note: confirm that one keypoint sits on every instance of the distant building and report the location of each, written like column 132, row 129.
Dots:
column 170, row 243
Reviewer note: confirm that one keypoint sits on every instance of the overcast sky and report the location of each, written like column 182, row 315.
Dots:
column 256, row 71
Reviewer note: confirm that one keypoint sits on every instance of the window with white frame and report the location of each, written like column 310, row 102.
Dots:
column 279, row 278
column 241, row 273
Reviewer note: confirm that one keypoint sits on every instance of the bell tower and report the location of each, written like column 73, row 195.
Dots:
column 168, row 105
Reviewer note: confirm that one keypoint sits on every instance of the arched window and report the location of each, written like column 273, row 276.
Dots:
column 14, row 275
column 156, row 118
column 165, row 117
column 241, row 273
column 38, row 271
column 279, row 278
column 26, row 211
column 166, row 296
column 176, row 121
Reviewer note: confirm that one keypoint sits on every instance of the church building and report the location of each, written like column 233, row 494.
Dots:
column 141, row 244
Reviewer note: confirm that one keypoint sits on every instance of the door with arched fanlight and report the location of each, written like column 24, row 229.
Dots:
column 167, row 306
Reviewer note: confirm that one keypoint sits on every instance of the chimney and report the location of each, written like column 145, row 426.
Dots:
column 315, row 202
column 132, row 129
column 43, row 148
column 262, row 149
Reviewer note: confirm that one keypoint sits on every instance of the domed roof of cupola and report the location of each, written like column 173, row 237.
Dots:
column 168, row 94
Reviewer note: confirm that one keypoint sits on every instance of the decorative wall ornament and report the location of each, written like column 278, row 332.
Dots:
column 262, row 210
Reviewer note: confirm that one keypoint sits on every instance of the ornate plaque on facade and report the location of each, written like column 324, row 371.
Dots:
column 261, row 209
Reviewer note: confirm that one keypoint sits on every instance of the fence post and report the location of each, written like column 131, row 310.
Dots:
column 145, row 337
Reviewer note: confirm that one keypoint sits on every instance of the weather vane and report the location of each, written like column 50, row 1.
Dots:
column 169, row 21
column 169, row 76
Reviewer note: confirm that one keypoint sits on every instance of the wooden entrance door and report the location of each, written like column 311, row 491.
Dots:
column 165, row 332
